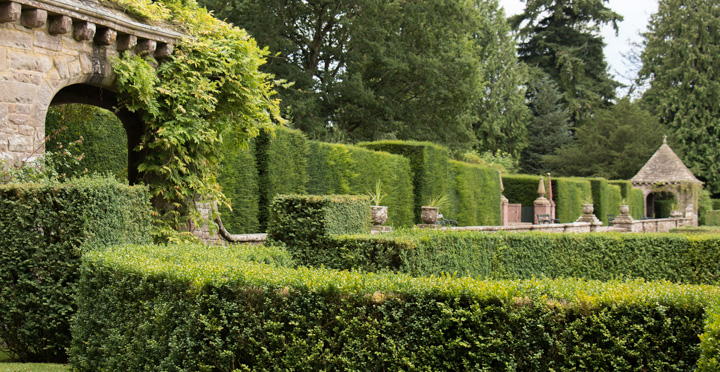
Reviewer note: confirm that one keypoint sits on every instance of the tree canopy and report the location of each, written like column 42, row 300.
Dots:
column 436, row 70
column 614, row 144
column 681, row 62
column 562, row 38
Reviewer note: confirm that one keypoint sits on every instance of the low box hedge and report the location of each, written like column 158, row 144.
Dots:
column 44, row 229
column 190, row 308
column 690, row 259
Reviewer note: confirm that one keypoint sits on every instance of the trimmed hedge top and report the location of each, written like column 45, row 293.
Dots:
column 218, row 266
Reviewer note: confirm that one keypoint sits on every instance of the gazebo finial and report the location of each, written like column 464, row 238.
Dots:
column 664, row 138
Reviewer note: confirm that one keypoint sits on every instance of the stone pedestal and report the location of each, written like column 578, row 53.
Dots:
column 589, row 217
column 504, row 211
column 623, row 222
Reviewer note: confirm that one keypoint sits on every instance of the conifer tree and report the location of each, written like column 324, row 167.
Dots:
column 681, row 61
column 562, row 38
column 549, row 127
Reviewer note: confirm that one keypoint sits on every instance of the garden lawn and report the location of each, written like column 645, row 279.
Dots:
column 6, row 366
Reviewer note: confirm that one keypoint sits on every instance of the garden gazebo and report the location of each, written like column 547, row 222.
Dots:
column 666, row 175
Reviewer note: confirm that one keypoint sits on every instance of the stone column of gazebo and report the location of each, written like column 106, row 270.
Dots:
column 666, row 173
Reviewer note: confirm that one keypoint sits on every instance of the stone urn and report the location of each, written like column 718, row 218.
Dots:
column 588, row 208
column 429, row 215
column 624, row 209
column 676, row 214
column 378, row 214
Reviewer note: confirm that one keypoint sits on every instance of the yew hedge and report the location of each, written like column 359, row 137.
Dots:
column 44, row 230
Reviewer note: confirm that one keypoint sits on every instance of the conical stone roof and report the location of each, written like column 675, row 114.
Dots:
column 664, row 167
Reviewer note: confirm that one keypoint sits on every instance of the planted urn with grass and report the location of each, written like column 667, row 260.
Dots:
column 431, row 210
column 378, row 213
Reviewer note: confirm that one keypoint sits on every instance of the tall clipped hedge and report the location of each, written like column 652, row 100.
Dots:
column 675, row 257
column 184, row 308
column 346, row 169
column 633, row 197
column 637, row 204
column 600, row 198
column 304, row 223
column 432, row 173
column 282, row 167
column 44, row 230
column 520, row 188
column 478, row 193
column 712, row 218
column 614, row 199
column 103, row 140
column 239, row 182
column 569, row 194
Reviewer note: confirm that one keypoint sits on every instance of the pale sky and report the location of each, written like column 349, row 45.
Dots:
column 636, row 13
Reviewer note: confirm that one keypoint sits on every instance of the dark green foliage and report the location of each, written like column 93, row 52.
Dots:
column 430, row 165
column 377, row 69
column 521, row 189
column 712, row 218
column 239, row 182
column 677, row 258
column 304, row 223
column 715, row 204
column 103, row 145
column 562, row 38
column 346, row 169
column 282, row 167
column 503, row 114
column 549, row 127
column 614, row 143
column 192, row 309
column 570, row 194
column 689, row 229
column 478, row 192
column 43, row 232
column 680, row 63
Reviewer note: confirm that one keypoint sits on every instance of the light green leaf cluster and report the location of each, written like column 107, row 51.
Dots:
column 210, row 89
column 201, row 266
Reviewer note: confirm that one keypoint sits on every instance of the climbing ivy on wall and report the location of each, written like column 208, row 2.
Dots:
column 208, row 90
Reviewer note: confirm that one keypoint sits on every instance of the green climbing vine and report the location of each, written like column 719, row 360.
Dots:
column 209, row 90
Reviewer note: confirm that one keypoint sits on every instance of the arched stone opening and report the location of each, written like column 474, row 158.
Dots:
column 661, row 203
column 107, row 99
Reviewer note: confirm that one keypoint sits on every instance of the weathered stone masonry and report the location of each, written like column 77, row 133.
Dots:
column 49, row 45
